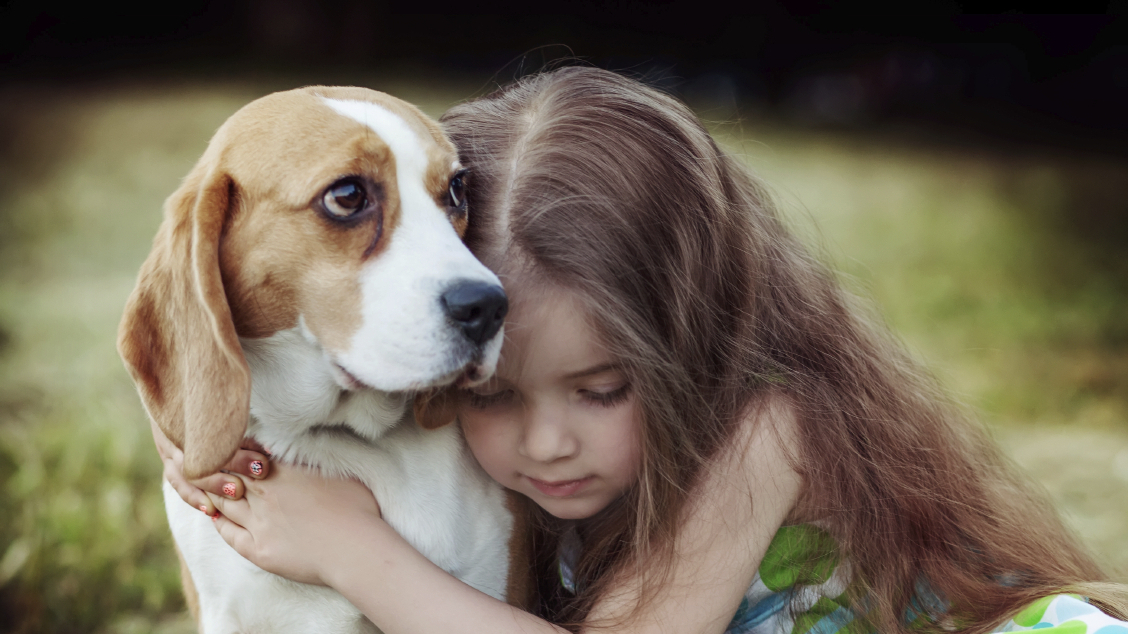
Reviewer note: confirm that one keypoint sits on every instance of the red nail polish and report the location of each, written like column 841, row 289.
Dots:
column 204, row 509
column 229, row 489
column 256, row 467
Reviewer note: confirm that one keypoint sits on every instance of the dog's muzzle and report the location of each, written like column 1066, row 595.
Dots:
column 477, row 308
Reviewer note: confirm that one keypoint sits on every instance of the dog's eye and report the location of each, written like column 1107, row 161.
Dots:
column 345, row 197
column 457, row 191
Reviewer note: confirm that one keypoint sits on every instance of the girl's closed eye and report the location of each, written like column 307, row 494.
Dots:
column 606, row 397
column 488, row 396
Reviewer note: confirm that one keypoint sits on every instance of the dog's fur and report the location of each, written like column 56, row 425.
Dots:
column 258, row 313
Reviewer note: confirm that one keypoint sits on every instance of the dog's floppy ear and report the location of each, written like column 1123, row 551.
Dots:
column 177, row 337
column 435, row 408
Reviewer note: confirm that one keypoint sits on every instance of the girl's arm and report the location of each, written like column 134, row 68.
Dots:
column 749, row 492
column 329, row 532
column 316, row 530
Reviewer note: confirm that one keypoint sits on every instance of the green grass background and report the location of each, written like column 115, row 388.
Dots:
column 1004, row 269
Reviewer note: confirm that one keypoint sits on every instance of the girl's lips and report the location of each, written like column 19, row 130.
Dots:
column 561, row 489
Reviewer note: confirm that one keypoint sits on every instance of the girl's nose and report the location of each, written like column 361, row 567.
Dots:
column 547, row 437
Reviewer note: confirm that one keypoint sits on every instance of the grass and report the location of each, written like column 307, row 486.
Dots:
column 1002, row 269
column 1006, row 271
column 977, row 261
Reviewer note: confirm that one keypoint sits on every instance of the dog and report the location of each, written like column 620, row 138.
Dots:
column 307, row 280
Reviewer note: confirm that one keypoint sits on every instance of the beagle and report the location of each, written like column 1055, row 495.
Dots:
column 308, row 278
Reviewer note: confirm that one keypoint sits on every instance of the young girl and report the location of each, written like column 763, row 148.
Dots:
column 711, row 436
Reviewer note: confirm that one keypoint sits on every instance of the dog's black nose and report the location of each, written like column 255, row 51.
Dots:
column 477, row 307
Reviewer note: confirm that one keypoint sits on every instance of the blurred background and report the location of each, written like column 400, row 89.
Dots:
column 967, row 174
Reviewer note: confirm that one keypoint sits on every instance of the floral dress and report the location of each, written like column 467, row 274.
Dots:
column 807, row 555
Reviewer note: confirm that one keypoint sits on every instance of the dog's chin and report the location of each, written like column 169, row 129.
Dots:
column 347, row 380
column 467, row 375
column 474, row 374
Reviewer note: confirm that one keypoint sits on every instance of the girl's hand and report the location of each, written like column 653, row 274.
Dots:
column 250, row 461
column 298, row 524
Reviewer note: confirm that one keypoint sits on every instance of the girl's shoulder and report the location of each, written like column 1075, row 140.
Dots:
column 801, row 589
column 1064, row 614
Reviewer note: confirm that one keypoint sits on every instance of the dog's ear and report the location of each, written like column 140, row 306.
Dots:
column 435, row 408
column 177, row 337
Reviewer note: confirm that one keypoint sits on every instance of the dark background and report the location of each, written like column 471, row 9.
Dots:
column 969, row 171
column 1011, row 77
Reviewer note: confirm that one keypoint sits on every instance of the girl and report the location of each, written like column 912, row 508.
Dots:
column 710, row 434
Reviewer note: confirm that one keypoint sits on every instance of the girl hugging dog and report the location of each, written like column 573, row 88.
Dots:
column 709, row 436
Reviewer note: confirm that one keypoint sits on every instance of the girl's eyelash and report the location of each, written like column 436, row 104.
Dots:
column 608, row 399
column 602, row 399
column 482, row 401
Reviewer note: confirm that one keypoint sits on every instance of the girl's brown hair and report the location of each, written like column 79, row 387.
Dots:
column 599, row 184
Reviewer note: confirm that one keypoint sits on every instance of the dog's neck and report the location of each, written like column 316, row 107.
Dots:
column 294, row 396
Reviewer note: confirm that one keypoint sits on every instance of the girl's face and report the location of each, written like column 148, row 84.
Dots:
column 558, row 422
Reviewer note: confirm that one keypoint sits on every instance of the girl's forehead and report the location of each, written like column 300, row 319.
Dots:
column 548, row 335
column 540, row 309
column 540, row 312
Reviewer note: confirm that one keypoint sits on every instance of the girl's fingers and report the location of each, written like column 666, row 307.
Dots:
column 187, row 492
column 253, row 445
column 250, row 463
column 235, row 535
column 221, row 484
column 237, row 511
column 172, row 458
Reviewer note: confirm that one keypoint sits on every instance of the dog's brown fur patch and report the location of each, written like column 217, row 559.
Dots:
column 243, row 252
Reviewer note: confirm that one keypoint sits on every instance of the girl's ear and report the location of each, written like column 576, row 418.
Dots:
column 177, row 337
column 435, row 408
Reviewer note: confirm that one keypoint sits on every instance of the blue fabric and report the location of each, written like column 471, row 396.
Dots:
column 781, row 609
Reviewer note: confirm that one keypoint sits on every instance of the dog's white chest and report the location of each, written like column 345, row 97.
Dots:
column 237, row 597
column 430, row 492
column 430, row 489
column 339, row 225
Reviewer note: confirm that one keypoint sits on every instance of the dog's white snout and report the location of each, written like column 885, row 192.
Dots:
column 477, row 308
column 429, row 308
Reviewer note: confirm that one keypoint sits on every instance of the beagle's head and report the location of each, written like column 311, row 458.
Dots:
column 334, row 210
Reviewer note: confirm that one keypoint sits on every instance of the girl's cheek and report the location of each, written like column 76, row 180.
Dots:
column 487, row 442
column 634, row 442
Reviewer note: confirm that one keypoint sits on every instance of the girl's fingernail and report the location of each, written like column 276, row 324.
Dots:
column 256, row 467
column 215, row 517
column 204, row 509
column 229, row 489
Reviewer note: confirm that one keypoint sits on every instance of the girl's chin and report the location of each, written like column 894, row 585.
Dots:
column 571, row 514
column 568, row 509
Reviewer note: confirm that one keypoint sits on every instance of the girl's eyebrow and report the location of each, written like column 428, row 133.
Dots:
column 603, row 367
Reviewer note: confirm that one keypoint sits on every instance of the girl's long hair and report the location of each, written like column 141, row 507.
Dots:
column 599, row 184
